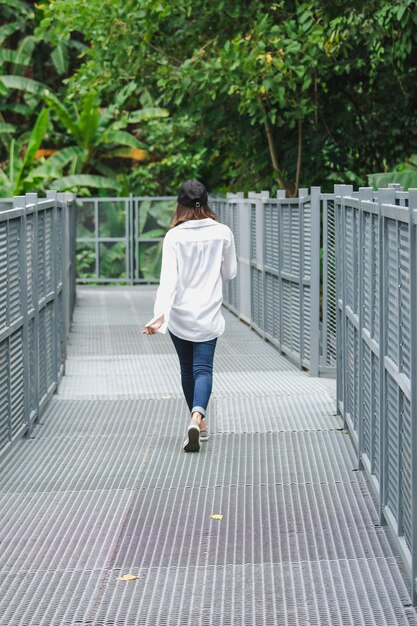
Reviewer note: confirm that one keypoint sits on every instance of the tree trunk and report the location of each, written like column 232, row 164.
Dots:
column 273, row 154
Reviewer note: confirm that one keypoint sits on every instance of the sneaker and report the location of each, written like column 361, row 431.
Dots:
column 204, row 435
column 192, row 440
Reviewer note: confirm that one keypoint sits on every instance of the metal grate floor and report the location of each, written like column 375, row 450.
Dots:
column 103, row 489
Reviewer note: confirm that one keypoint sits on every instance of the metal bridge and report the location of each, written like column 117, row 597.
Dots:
column 104, row 520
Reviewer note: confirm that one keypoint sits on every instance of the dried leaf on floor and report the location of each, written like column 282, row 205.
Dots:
column 128, row 577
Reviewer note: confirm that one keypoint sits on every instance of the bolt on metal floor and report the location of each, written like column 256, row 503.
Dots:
column 103, row 489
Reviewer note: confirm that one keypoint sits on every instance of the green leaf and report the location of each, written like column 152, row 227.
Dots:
column 63, row 114
column 14, row 56
column 54, row 164
column 154, row 234
column 406, row 179
column 8, row 29
column 85, row 180
column 122, row 138
column 35, row 141
column 22, row 84
column 19, row 5
column 16, row 107
column 148, row 113
column 60, row 58
column 7, row 128
column 89, row 119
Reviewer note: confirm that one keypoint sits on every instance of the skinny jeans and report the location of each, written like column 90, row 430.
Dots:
column 196, row 365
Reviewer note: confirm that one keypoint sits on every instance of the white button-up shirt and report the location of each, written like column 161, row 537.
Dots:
column 197, row 256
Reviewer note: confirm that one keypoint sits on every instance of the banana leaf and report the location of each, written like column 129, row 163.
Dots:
column 54, row 164
column 35, row 141
column 407, row 179
column 60, row 58
column 147, row 113
column 89, row 118
column 64, row 116
column 122, row 138
column 8, row 29
column 85, row 180
column 14, row 56
column 22, row 84
column 7, row 128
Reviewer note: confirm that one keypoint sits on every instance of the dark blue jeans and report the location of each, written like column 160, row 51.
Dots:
column 196, row 364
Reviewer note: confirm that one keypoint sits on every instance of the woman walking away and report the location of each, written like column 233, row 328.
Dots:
column 198, row 255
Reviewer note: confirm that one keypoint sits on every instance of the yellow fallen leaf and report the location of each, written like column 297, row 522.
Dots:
column 129, row 577
column 216, row 516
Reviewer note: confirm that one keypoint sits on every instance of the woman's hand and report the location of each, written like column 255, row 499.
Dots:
column 152, row 329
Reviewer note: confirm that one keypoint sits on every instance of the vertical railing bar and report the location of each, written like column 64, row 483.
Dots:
column 399, row 398
column 96, row 236
column 361, row 260
column 324, row 264
column 280, row 197
column 20, row 202
column 31, row 198
column 130, row 242
column 137, row 220
column 412, row 203
column 264, row 197
column 301, row 274
column 52, row 195
column 315, row 282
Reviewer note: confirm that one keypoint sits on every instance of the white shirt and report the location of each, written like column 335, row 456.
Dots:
column 197, row 256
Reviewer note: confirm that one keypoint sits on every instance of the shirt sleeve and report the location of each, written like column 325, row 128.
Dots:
column 229, row 262
column 168, row 281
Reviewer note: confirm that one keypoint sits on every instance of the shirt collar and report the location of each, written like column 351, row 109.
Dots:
column 207, row 221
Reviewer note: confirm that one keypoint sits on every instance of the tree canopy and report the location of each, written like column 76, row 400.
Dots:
column 140, row 94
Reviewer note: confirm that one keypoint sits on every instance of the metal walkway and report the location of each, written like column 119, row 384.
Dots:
column 104, row 489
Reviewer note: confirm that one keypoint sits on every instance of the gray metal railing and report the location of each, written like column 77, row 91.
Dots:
column 376, row 253
column 37, row 296
column 278, row 287
column 119, row 240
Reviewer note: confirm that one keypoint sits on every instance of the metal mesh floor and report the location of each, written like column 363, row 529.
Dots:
column 103, row 489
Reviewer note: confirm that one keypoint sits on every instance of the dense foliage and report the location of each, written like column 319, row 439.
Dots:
column 139, row 94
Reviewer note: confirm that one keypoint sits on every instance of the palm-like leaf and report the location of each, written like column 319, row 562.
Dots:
column 64, row 115
column 22, row 84
column 85, row 180
column 7, row 128
column 121, row 137
column 35, row 141
column 60, row 58
column 8, row 29
column 147, row 113
column 89, row 119
column 54, row 165
column 14, row 56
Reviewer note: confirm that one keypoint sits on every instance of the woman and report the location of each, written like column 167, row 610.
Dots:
column 198, row 255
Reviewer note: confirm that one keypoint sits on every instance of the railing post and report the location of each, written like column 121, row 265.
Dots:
column 385, row 196
column 53, row 195
column 244, row 259
column 315, row 282
column 412, row 204
column 31, row 198
column 20, row 202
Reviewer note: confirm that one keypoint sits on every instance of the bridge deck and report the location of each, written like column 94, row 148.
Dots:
column 104, row 489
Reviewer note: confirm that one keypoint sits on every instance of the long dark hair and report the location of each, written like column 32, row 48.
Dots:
column 185, row 213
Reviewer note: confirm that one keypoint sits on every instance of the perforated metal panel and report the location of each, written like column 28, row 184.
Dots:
column 328, row 340
column 376, row 379
column 4, row 394
column 32, row 306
